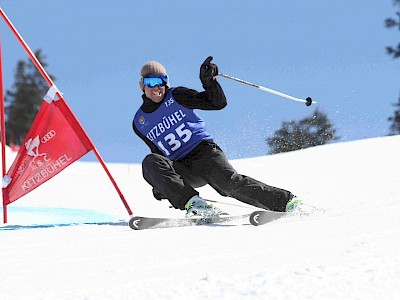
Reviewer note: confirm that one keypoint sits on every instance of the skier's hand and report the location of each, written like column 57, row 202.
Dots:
column 208, row 72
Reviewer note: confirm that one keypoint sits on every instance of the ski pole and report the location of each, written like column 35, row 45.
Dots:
column 226, row 203
column 308, row 101
column 230, row 204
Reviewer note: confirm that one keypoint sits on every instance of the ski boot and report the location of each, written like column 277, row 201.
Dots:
column 198, row 207
column 296, row 206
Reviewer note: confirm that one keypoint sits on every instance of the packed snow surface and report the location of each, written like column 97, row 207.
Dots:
column 352, row 251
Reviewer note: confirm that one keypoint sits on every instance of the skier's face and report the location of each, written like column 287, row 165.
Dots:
column 155, row 94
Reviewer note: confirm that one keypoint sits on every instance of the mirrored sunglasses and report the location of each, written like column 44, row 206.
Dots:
column 160, row 80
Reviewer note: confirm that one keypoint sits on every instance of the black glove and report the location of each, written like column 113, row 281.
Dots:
column 208, row 71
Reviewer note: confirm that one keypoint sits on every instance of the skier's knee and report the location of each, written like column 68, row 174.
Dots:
column 154, row 160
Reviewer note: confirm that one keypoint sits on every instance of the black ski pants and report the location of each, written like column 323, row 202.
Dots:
column 207, row 164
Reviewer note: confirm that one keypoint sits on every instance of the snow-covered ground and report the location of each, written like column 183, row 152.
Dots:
column 350, row 252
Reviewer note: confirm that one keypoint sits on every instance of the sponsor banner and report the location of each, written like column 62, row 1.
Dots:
column 54, row 141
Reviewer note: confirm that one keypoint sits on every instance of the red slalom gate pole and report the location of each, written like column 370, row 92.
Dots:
column 50, row 83
column 3, row 132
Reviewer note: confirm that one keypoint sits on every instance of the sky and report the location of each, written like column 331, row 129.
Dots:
column 352, row 251
column 332, row 51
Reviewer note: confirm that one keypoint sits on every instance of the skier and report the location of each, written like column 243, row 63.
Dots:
column 183, row 154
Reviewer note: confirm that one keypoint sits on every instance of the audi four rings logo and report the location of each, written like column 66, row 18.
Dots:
column 48, row 136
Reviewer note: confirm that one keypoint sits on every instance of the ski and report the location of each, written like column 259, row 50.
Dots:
column 256, row 218
column 140, row 223
column 262, row 217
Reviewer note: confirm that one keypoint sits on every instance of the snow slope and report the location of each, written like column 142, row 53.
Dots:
column 350, row 252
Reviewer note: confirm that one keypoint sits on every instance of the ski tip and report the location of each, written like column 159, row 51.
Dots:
column 254, row 218
column 261, row 217
column 134, row 223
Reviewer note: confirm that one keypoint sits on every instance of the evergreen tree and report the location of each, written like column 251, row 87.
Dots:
column 395, row 120
column 25, row 98
column 308, row 132
column 395, row 52
column 392, row 23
